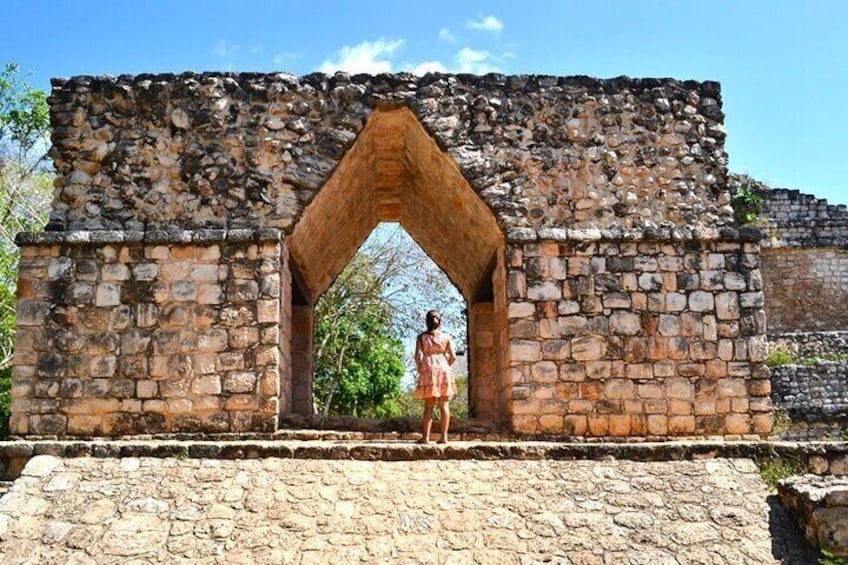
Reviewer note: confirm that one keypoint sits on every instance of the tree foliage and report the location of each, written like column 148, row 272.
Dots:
column 358, row 360
column 375, row 305
column 25, row 194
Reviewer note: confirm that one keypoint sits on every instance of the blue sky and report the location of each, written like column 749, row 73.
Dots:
column 783, row 65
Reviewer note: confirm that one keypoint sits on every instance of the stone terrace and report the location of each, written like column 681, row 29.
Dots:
column 147, row 510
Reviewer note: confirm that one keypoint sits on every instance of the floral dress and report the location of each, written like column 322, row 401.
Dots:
column 435, row 378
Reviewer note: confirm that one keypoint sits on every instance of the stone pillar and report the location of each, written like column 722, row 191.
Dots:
column 483, row 387
column 302, row 328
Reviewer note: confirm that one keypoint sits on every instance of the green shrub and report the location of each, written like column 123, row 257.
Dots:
column 782, row 421
column 5, row 401
column 776, row 468
column 747, row 205
column 779, row 355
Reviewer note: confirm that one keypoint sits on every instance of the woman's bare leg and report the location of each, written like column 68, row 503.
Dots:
column 444, row 418
column 428, row 419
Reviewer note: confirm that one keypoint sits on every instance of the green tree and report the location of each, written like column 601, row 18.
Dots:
column 25, row 194
column 358, row 362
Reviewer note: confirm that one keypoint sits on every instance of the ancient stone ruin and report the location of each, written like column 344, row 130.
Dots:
column 199, row 216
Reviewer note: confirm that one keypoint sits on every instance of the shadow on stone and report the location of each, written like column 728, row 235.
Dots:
column 787, row 542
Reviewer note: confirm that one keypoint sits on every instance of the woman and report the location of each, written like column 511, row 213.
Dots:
column 434, row 356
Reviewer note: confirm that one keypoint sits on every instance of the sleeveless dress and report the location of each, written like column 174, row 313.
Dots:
column 435, row 379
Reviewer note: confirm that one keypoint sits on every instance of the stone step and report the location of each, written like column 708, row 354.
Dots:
column 819, row 457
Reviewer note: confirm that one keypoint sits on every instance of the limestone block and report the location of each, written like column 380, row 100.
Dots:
column 820, row 506
column 523, row 351
column 239, row 382
column 267, row 311
column 547, row 290
column 700, row 301
column 588, row 348
column 145, row 271
column 521, row 309
column 625, row 323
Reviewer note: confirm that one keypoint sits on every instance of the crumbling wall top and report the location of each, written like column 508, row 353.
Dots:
column 246, row 150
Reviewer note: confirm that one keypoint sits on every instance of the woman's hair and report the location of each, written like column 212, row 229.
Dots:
column 434, row 320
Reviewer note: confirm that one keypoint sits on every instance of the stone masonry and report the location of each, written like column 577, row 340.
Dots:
column 587, row 222
column 282, row 511
column 805, row 260
column 127, row 338
column 638, row 338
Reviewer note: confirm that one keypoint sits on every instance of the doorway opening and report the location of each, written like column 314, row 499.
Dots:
column 395, row 172
column 366, row 324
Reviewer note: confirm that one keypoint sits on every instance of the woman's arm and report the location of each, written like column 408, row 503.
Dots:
column 451, row 354
column 419, row 355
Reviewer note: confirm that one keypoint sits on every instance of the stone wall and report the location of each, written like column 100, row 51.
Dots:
column 638, row 338
column 806, row 288
column 804, row 220
column 247, row 150
column 587, row 223
column 150, row 336
column 812, row 393
column 811, row 345
column 805, row 259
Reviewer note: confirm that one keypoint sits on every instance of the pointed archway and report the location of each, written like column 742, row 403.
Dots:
column 396, row 172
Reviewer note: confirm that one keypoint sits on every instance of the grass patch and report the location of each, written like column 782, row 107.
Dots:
column 782, row 421
column 779, row 355
column 776, row 468
column 828, row 358
column 827, row 558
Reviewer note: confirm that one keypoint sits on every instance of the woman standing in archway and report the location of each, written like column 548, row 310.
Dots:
column 434, row 355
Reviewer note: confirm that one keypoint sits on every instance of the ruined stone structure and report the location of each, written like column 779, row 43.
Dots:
column 198, row 217
column 805, row 262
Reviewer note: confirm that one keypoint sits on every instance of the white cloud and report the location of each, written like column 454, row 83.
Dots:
column 224, row 49
column 429, row 67
column 284, row 58
column 371, row 57
column 447, row 35
column 475, row 62
column 485, row 23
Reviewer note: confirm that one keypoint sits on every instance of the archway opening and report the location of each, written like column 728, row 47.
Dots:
column 395, row 172
column 366, row 324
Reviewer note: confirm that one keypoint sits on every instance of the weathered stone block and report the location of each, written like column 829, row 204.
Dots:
column 820, row 506
column 700, row 301
column 523, row 351
column 107, row 294
column 32, row 312
column 239, row 382
column 588, row 348
column 625, row 323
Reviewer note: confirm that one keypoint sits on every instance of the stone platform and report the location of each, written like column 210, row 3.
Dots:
column 816, row 457
column 276, row 510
